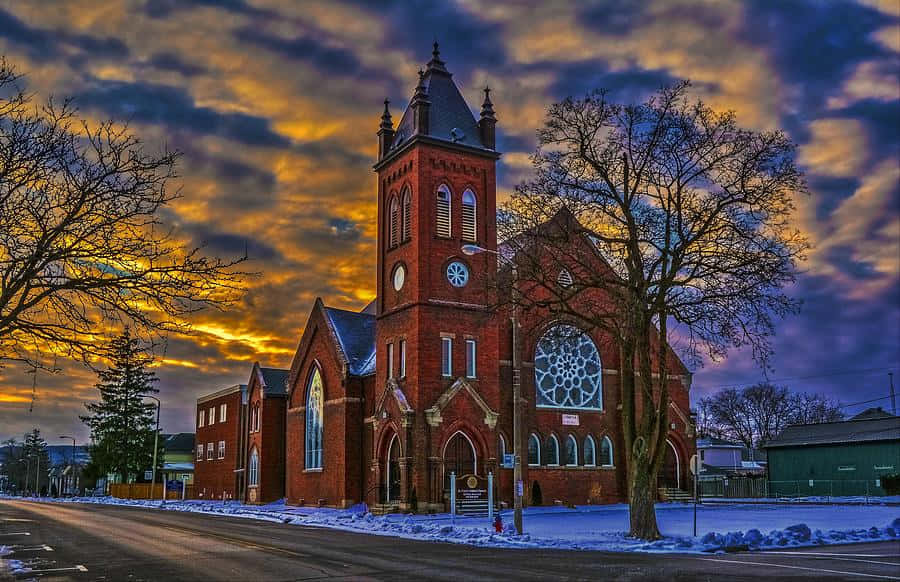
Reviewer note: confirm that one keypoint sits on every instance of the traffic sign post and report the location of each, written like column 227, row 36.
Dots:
column 695, row 469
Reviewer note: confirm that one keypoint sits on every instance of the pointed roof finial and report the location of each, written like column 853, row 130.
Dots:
column 386, row 122
column 436, row 64
column 487, row 107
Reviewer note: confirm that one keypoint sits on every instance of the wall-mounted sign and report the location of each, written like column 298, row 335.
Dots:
column 509, row 460
column 570, row 420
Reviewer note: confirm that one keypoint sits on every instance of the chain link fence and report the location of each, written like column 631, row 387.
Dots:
column 762, row 488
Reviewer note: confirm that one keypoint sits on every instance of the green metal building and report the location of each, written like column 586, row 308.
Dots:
column 835, row 458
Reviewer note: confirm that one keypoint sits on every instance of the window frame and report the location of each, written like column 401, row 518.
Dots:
column 574, row 442
column 201, row 418
column 593, row 463
column 405, row 215
column 223, row 408
column 402, row 370
column 210, row 453
column 314, row 457
column 220, row 450
column 390, row 360
column 253, row 468
column 443, row 213
column 211, row 414
column 447, row 357
column 555, row 448
column 469, row 213
column 471, row 359
column 394, row 222
column 611, row 456
column 200, row 452
column 533, row 437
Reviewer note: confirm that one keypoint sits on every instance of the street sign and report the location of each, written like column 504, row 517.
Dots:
column 509, row 460
column 148, row 475
column 520, row 489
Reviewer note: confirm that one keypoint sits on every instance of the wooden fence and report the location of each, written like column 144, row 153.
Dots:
column 143, row 491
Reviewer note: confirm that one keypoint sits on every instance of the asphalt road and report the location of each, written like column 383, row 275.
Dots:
column 96, row 542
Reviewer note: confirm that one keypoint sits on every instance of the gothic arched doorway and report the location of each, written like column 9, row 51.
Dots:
column 459, row 457
column 670, row 476
column 392, row 475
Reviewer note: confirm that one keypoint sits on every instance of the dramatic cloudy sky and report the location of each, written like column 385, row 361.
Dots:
column 275, row 104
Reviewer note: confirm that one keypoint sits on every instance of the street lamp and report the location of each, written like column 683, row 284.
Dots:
column 518, row 487
column 155, row 448
column 72, row 462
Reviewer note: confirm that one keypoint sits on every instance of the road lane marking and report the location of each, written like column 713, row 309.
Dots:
column 16, row 533
column 14, row 519
column 77, row 568
column 43, row 547
column 830, row 554
column 745, row 562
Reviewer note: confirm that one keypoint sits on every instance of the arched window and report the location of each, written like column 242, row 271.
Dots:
column 406, row 208
column 606, row 452
column 253, row 469
column 394, row 217
column 469, row 230
column 551, row 450
column 590, row 452
column 314, row 410
column 534, row 450
column 443, row 211
column 571, row 451
column 567, row 370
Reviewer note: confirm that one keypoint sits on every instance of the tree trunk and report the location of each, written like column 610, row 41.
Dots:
column 642, row 500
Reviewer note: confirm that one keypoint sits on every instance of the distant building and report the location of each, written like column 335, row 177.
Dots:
column 720, row 457
column 221, row 443
column 178, row 457
column 835, row 458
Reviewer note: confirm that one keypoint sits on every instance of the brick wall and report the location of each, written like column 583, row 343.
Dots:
column 215, row 478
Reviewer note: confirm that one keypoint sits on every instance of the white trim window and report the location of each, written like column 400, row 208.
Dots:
column 200, row 452
column 221, row 454
column 446, row 356
column 469, row 220
column 551, row 450
column 314, row 418
column 390, row 359
column 534, row 450
column 394, row 216
column 222, row 409
column 606, row 452
column 403, row 358
column 212, row 416
column 406, row 209
column 253, row 469
column 590, row 452
column 209, row 451
column 201, row 419
column 571, row 451
column 471, row 352
column 443, row 226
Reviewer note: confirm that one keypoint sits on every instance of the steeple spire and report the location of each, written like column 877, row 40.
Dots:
column 385, row 132
column 487, row 123
column 420, row 105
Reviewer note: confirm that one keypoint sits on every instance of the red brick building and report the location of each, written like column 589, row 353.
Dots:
column 383, row 404
column 220, row 443
column 266, row 395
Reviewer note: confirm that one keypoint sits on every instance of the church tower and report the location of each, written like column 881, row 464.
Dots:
column 435, row 333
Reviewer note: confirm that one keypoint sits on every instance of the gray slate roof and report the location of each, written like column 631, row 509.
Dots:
column 275, row 380
column 848, row 431
column 356, row 333
column 181, row 442
column 448, row 111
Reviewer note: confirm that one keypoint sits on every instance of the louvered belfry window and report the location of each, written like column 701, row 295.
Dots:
column 406, row 206
column 469, row 231
column 443, row 211
column 395, row 222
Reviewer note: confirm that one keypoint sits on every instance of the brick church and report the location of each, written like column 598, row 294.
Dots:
column 381, row 405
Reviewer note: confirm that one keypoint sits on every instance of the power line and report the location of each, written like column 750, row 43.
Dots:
column 838, row 373
column 863, row 402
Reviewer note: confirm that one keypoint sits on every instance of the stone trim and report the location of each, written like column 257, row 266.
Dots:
column 433, row 414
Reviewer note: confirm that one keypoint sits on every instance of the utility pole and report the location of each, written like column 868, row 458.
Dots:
column 155, row 449
column 518, row 486
column 893, row 399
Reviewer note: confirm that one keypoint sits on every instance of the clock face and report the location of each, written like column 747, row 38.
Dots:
column 457, row 274
column 399, row 277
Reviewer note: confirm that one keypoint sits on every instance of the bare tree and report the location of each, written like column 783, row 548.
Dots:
column 758, row 413
column 82, row 248
column 690, row 214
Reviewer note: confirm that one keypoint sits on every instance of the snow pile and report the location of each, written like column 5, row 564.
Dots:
column 722, row 528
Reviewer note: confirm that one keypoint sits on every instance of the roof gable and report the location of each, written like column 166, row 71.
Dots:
column 355, row 333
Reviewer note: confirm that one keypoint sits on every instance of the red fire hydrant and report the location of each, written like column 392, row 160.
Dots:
column 498, row 524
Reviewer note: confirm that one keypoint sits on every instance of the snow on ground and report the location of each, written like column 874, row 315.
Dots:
column 720, row 527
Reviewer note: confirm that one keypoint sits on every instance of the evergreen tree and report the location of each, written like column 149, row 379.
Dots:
column 122, row 424
column 37, row 460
